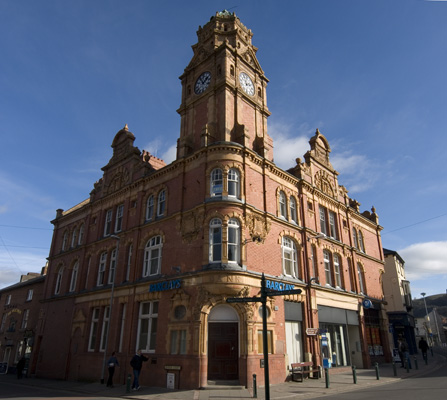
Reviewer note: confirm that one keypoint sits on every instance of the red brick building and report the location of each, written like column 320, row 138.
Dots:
column 149, row 259
column 20, row 310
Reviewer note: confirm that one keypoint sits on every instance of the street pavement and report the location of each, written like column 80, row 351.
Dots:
column 339, row 380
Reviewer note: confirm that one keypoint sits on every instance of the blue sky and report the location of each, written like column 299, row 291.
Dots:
column 370, row 75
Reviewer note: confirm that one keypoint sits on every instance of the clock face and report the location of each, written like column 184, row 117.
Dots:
column 202, row 82
column 246, row 84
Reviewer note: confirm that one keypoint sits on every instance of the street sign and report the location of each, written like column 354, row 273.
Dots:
column 282, row 292
column 311, row 331
column 243, row 299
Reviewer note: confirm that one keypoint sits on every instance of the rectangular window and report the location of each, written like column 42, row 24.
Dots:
column 105, row 328
column 147, row 326
column 129, row 260
column 332, row 225
column 25, row 319
column 119, row 218
column 323, row 220
column 178, row 341
column 29, row 296
column 123, row 324
column 261, row 343
column 2, row 326
column 102, row 269
column 327, row 268
column 337, row 271
column 112, row 269
column 8, row 300
column 108, row 223
column 93, row 330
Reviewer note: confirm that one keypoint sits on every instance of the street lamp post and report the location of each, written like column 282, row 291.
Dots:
column 427, row 324
column 110, row 308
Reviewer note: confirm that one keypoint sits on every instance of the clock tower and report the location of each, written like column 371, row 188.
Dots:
column 224, row 90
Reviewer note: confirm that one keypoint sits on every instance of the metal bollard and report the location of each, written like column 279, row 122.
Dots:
column 354, row 374
column 326, row 375
column 415, row 363
column 255, row 390
column 376, row 366
column 128, row 380
column 394, row 369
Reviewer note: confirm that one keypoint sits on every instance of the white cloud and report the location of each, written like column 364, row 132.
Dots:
column 155, row 147
column 170, row 154
column 288, row 146
column 425, row 260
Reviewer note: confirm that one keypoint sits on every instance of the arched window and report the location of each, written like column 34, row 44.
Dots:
column 216, row 182
column 233, row 183
column 102, row 269
column 161, row 203
column 74, row 276
column 152, row 256
column 112, row 268
column 59, row 277
column 327, row 267
column 150, row 208
column 354, row 238
column 74, row 237
column 215, row 239
column 282, row 205
column 293, row 210
column 81, row 234
column 289, row 257
column 234, row 241
column 361, row 278
column 65, row 241
column 361, row 245
column 314, row 263
column 338, row 271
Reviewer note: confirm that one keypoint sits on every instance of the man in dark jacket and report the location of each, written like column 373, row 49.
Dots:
column 423, row 346
column 137, row 363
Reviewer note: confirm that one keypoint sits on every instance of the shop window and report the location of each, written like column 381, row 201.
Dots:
column 59, row 277
column 152, row 256
column 93, row 330
column 147, row 326
column 269, row 342
column 216, row 182
column 215, row 240
column 289, row 257
column 293, row 210
column 150, row 208
column 74, row 276
column 178, row 341
column 102, row 269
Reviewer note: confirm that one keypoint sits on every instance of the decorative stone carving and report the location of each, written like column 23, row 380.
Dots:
column 190, row 225
column 259, row 227
column 323, row 183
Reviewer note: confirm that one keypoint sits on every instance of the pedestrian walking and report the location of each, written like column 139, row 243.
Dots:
column 137, row 363
column 405, row 358
column 111, row 364
column 423, row 346
column 20, row 367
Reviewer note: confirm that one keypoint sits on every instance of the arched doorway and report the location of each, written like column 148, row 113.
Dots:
column 223, row 340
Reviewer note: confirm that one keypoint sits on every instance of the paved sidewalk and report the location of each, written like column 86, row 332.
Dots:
column 340, row 380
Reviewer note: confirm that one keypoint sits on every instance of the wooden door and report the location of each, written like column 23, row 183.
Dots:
column 223, row 351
